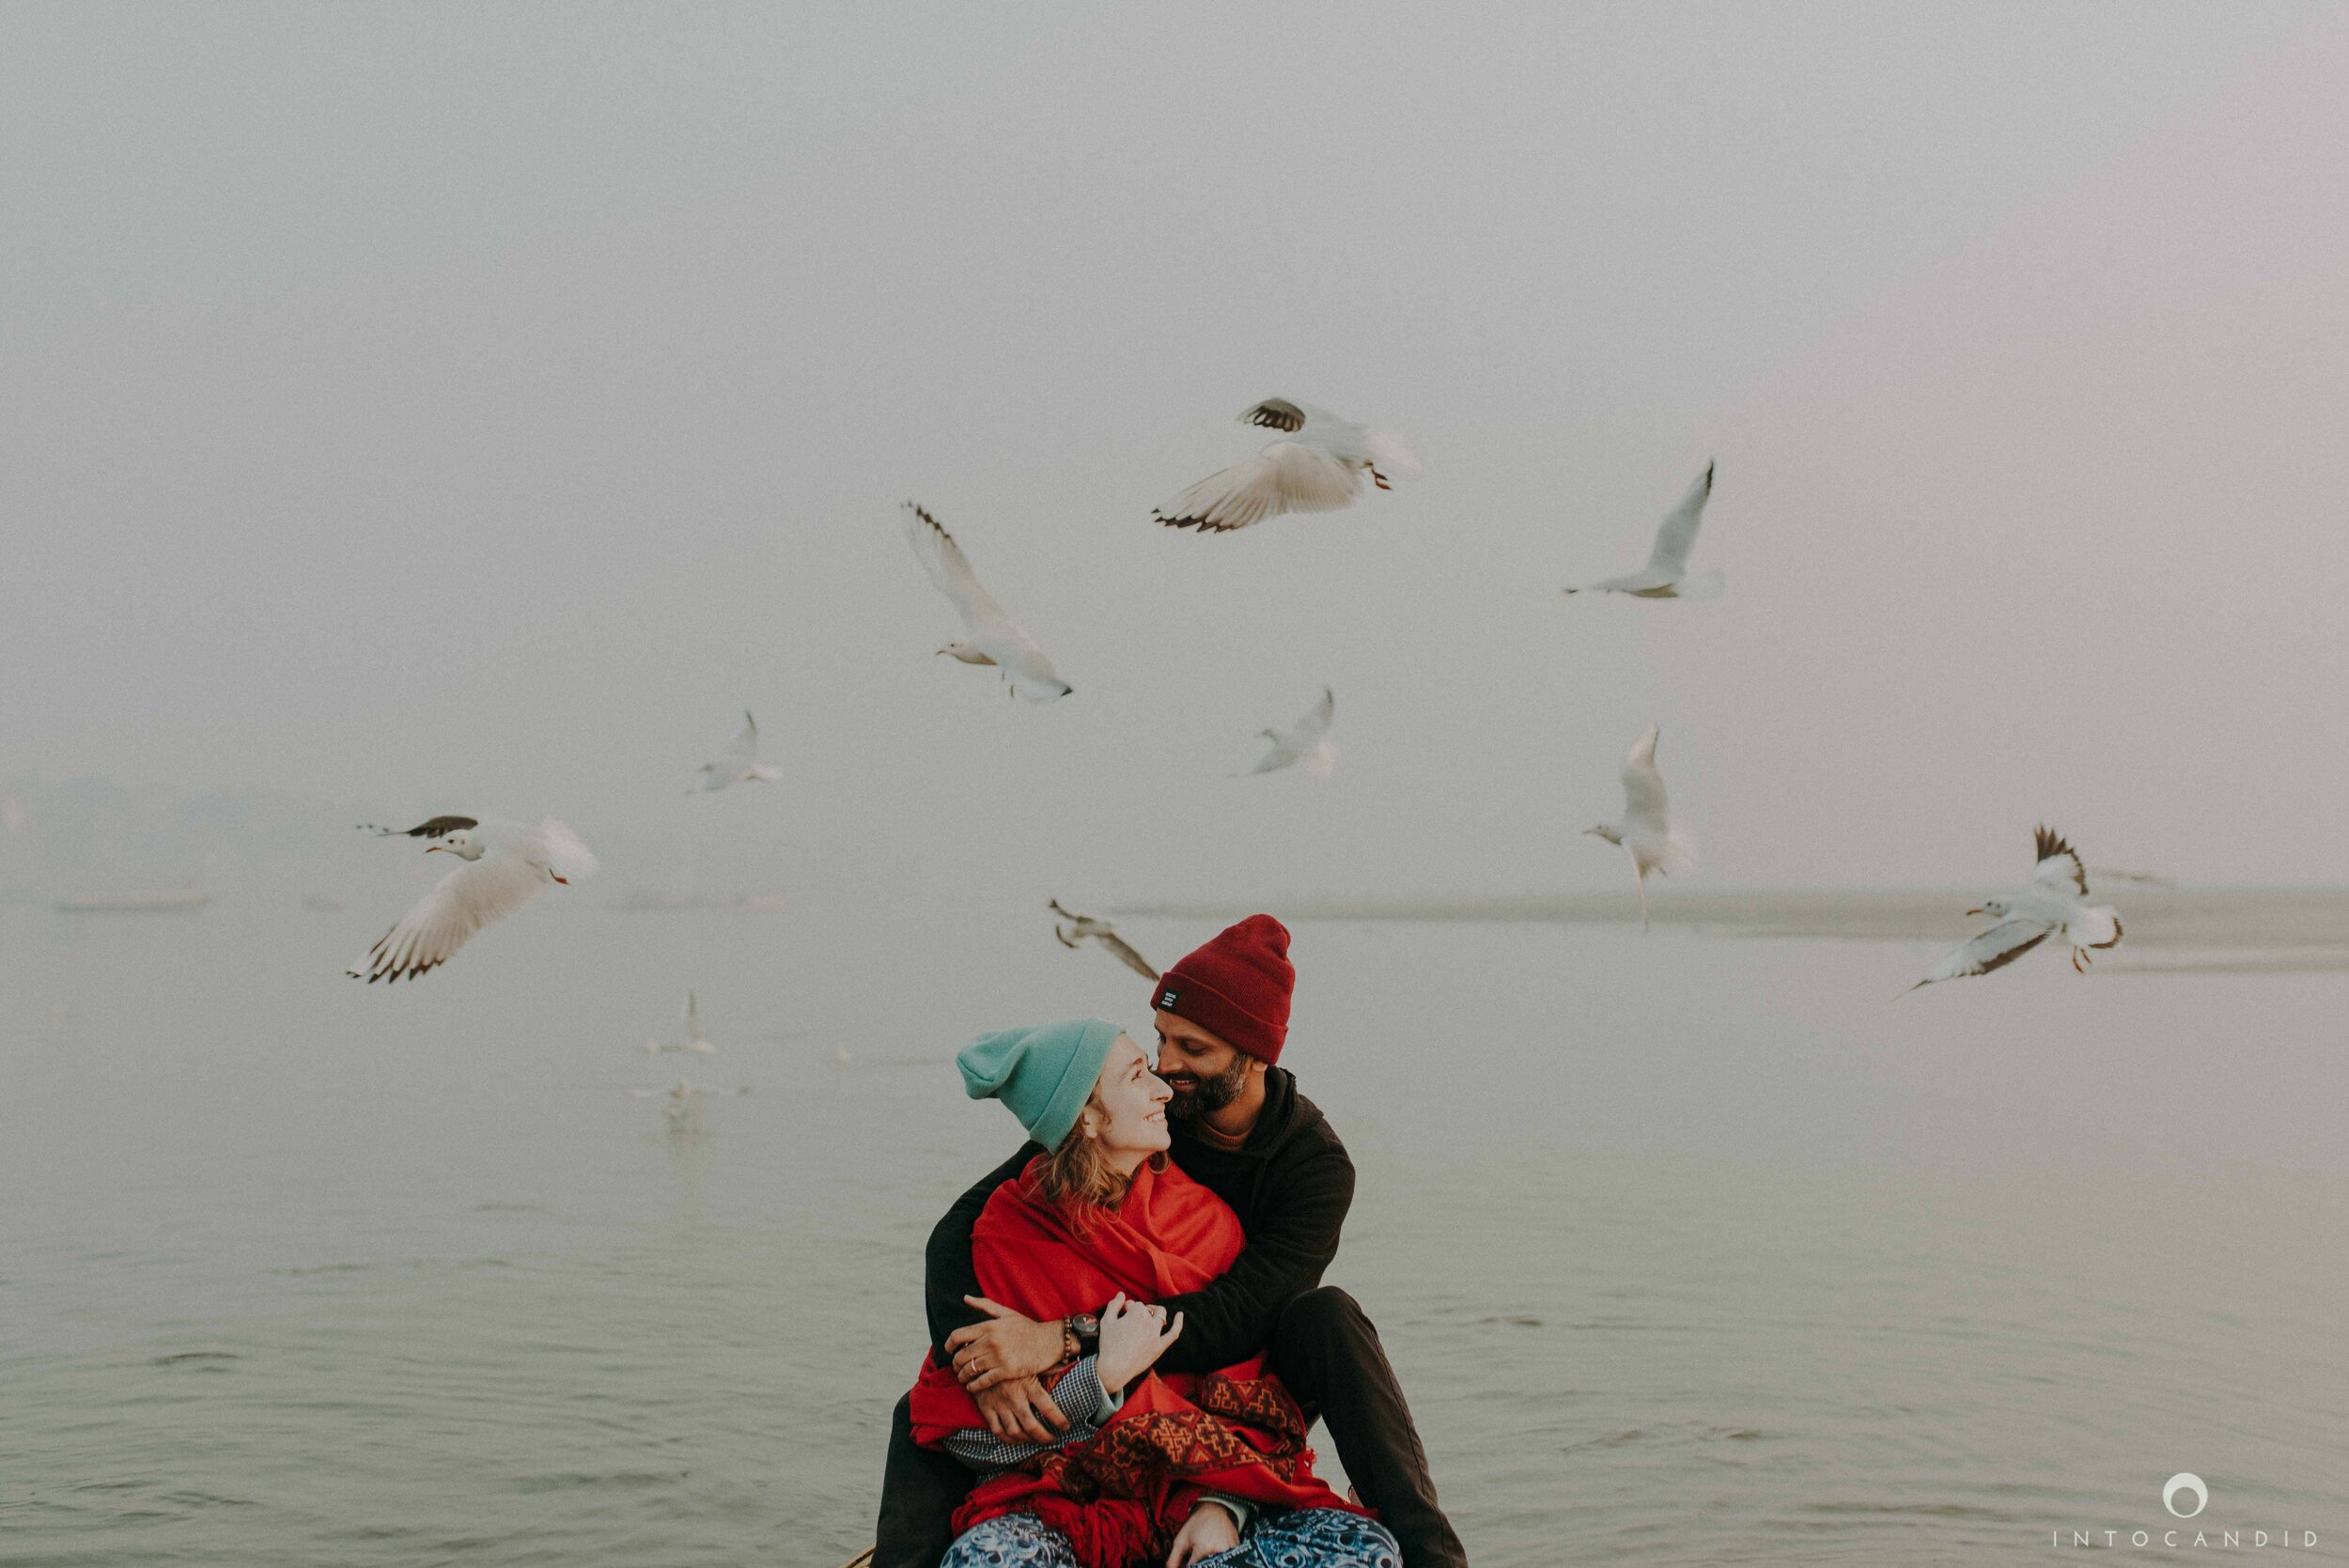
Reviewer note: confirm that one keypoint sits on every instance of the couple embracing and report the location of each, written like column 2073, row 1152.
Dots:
column 1130, row 1334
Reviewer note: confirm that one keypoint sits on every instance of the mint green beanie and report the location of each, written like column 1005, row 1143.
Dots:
column 1044, row 1073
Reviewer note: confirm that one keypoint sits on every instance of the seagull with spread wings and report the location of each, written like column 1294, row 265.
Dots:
column 694, row 1041
column 1305, row 743
column 682, row 1091
column 1315, row 466
column 1081, row 926
column 1646, row 832
column 507, row 865
column 989, row 635
column 685, row 1099
column 2055, row 905
column 1666, row 574
column 740, row 763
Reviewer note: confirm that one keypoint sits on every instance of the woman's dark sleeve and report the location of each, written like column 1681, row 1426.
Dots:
column 1232, row 1318
column 947, row 1275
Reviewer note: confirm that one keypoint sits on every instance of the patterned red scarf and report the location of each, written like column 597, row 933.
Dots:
column 1121, row 1497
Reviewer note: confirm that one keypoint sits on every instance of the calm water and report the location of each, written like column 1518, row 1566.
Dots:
column 1689, row 1250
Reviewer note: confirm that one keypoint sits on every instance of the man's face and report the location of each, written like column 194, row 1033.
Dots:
column 1204, row 1073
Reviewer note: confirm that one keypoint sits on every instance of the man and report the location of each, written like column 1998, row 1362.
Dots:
column 1241, row 1130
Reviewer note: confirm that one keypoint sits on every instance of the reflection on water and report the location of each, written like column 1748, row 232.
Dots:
column 1688, row 1249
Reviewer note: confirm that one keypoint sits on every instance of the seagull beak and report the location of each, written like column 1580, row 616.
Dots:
column 435, row 849
column 1972, row 914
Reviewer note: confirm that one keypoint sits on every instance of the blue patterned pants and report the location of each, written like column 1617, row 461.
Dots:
column 1299, row 1538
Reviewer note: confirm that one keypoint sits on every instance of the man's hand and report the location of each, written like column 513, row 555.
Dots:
column 1005, row 1346
column 1208, row 1531
column 1020, row 1411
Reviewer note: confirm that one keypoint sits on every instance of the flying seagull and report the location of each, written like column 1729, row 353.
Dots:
column 694, row 1041
column 1646, row 830
column 1666, row 574
column 2055, row 905
column 740, row 763
column 1317, row 466
column 682, row 1091
column 989, row 638
column 1081, row 926
column 507, row 865
column 1306, row 742
column 2137, row 879
column 684, row 1108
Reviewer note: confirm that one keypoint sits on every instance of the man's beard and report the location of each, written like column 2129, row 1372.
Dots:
column 1209, row 1093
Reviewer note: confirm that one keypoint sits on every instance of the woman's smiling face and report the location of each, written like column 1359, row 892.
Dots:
column 1127, row 1114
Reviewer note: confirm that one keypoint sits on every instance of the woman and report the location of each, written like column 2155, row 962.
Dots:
column 1194, row 1472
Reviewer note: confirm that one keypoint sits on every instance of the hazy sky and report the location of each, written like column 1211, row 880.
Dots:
column 440, row 408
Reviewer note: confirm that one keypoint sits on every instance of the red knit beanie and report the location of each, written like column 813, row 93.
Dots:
column 1238, row 986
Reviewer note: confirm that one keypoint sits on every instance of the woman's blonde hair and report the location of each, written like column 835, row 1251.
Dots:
column 1078, row 1179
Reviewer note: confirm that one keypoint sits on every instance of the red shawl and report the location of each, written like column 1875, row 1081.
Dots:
column 1120, row 1496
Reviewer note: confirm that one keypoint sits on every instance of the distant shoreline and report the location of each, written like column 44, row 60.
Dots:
column 2310, row 922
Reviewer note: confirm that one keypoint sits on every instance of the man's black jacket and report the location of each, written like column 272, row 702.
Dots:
column 1290, row 1185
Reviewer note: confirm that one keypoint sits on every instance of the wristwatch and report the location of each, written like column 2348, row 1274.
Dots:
column 1086, row 1328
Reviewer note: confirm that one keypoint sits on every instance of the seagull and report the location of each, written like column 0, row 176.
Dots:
column 2055, row 904
column 1317, row 466
column 1307, row 742
column 1647, row 828
column 1666, row 574
column 682, row 1092
column 2137, row 879
column 1081, row 926
column 684, row 1108
column 740, row 763
column 695, row 1041
column 989, row 638
column 506, row 865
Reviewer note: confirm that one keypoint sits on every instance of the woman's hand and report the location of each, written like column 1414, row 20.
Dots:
column 1208, row 1531
column 1133, row 1336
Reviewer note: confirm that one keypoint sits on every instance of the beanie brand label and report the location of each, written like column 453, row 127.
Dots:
column 1167, row 998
